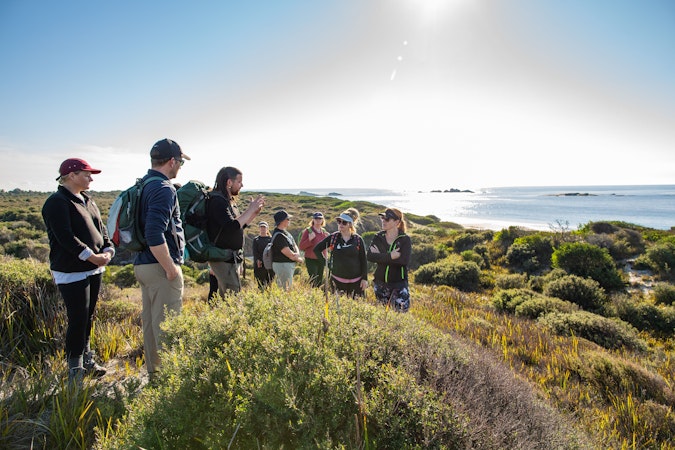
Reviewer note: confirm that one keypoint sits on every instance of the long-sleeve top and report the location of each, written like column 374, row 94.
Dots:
column 74, row 230
column 222, row 226
column 258, row 245
column 346, row 259
column 160, row 219
column 307, row 245
column 390, row 270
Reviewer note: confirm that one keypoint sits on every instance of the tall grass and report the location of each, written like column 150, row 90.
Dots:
column 623, row 398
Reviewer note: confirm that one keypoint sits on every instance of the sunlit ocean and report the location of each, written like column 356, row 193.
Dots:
column 539, row 208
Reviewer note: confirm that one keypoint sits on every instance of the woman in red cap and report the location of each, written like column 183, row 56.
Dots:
column 79, row 251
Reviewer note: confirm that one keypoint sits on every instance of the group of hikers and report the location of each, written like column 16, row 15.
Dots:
column 81, row 247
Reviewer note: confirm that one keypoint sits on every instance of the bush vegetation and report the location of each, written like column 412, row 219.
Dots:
column 496, row 352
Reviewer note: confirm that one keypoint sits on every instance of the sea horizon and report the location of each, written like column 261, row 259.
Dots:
column 534, row 207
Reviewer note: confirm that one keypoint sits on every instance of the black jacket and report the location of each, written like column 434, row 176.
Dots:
column 72, row 226
column 391, row 270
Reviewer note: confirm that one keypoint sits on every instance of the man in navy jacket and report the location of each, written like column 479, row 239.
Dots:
column 158, row 267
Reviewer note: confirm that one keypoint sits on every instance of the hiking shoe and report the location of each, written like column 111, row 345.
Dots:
column 91, row 368
column 75, row 376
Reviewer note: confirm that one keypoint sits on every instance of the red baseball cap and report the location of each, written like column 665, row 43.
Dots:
column 73, row 165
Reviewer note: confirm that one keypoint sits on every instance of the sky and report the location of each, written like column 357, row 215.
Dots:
column 391, row 94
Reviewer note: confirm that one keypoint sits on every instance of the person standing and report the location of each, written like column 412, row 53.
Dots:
column 225, row 226
column 79, row 250
column 347, row 261
column 391, row 250
column 262, row 275
column 311, row 236
column 158, row 267
column 285, row 254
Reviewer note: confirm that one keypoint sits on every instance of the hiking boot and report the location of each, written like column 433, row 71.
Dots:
column 75, row 376
column 91, row 368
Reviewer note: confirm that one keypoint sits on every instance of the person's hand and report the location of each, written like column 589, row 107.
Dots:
column 257, row 203
column 374, row 249
column 395, row 253
column 364, row 284
column 100, row 259
column 173, row 272
column 311, row 235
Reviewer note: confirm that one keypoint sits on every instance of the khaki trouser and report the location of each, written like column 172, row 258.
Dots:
column 227, row 275
column 159, row 296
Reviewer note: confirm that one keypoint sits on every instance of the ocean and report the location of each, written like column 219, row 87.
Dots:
column 539, row 208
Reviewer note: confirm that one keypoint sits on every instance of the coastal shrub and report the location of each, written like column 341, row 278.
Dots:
column 511, row 281
column 250, row 373
column 501, row 241
column 585, row 292
column 530, row 253
column 610, row 333
column 507, row 300
column 601, row 369
column 541, row 245
column 660, row 258
column 664, row 294
column 469, row 239
column 588, row 261
column 645, row 316
column 471, row 255
column 621, row 244
column 121, row 276
column 540, row 305
column 28, row 248
column 463, row 275
column 600, row 227
column 34, row 219
column 425, row 254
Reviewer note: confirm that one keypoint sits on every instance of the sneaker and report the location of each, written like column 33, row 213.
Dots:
column 91, row 368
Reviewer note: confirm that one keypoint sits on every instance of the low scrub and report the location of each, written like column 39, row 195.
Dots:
column 463, row 275
column 664, row 294
column 585, row 292
column 658, row 319
column 608, row 333
column 283, row 370
column 541, row 305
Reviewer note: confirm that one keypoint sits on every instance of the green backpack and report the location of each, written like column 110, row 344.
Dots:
column 193, row 199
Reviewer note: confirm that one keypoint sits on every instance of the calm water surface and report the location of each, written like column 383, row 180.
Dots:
column 534, row 207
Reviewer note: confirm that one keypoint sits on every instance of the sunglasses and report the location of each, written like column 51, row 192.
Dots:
column 180, row 161
column 342, row 222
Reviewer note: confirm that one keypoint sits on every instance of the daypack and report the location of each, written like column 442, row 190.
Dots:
column 124, row 218
column 193, row 199
column 267, row 253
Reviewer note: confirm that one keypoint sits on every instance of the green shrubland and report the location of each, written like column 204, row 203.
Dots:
column 516, row 339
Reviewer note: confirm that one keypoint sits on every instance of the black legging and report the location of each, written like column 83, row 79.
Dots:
column 80, row 298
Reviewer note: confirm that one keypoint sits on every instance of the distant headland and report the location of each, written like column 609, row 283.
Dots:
column 453, row 190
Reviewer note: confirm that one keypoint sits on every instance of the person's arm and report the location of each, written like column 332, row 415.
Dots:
column 290, row 254
column 305, row 241
column 364, row 263
column 163, row 257
column 56, row 215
